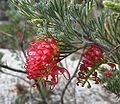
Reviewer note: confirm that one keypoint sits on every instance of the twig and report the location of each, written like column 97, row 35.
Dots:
column 63, row 93
column 12, row 69
column 31, row 95
column 75, row 102
column 41, row 93
column 90, row 41
column 15, row 76
column 21, row 47
column 81, row 47
column 114, row 49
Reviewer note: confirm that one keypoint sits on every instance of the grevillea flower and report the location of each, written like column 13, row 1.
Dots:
column 42, row 58
column 89, row 67
column 91, row 56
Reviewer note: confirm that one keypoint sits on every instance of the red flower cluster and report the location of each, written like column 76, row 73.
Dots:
column 91, row 57
column 42, row 58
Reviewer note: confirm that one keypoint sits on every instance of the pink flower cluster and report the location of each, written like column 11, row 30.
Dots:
column 42, row 58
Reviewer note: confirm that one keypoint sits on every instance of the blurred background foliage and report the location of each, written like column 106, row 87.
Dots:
column 12, row 22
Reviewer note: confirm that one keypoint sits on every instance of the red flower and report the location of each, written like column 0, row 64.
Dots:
column 42, row 58
column 91, row 56
column 93, row 53
column 87, row 62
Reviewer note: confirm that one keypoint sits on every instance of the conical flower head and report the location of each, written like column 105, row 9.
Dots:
column 42, row 58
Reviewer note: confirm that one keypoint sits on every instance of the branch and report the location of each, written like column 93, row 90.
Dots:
column 22, row 49
column 12, row 69
column 75, row 102
column 21, row 43
column 114, row 49
column 63, row 93
column 41, row 93
column 90, row 41
column 15, row 76
column 81, row 47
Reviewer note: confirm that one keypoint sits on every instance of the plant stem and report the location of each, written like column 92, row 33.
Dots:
column 74, row 74
column 12, row 69
column 41, row 93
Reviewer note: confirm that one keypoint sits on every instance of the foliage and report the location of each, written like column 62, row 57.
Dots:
column 113, row 5
column 15, row 23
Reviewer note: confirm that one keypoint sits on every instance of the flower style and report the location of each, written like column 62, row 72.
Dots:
column 42, row 58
